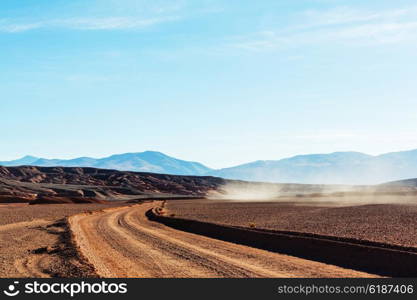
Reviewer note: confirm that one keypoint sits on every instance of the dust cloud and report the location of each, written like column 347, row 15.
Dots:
column 247, row 191
column 304, row 193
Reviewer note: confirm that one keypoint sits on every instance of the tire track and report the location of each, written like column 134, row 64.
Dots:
column 229, row 267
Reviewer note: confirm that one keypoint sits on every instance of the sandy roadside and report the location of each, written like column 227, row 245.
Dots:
column 35, row 242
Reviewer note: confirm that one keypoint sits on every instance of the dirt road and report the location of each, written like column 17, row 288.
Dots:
column 124, row 243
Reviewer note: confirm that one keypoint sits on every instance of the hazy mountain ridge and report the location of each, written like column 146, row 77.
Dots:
column 404, row 183
column 149, row 161
column 334, row 168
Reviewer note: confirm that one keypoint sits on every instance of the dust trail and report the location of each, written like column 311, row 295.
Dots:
column 252, row 191
column 247, row 191
column 340, row 194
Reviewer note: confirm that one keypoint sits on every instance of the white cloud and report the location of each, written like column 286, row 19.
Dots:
column 112, row 23
column 380, row 33
column 347, row 15
column 113, row 15
column 15, row 28
column 106, row 23
column 340, row 25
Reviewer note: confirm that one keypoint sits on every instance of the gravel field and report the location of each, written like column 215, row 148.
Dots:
column 388, row 223
column 14, row 213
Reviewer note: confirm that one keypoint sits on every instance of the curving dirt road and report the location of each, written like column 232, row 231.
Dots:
column 124, row 243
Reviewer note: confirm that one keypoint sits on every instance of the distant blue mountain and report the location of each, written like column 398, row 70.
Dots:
column 149, row 161
column 27, row 160
column 334, row 168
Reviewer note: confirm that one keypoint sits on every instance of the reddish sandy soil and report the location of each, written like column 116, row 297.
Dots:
column 124, row 243
column 14, row 213
column 35, row 242
column 121, row 242
column 387, row 223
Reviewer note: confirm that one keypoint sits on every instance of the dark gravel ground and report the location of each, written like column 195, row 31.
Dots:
column 387, row 223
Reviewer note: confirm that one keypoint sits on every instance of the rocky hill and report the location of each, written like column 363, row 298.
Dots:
column 29, row 183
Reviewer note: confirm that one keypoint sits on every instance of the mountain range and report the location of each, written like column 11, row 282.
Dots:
column 149, row 161
column 333, row 168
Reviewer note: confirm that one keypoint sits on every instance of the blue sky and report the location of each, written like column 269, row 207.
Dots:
column 220, row 82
